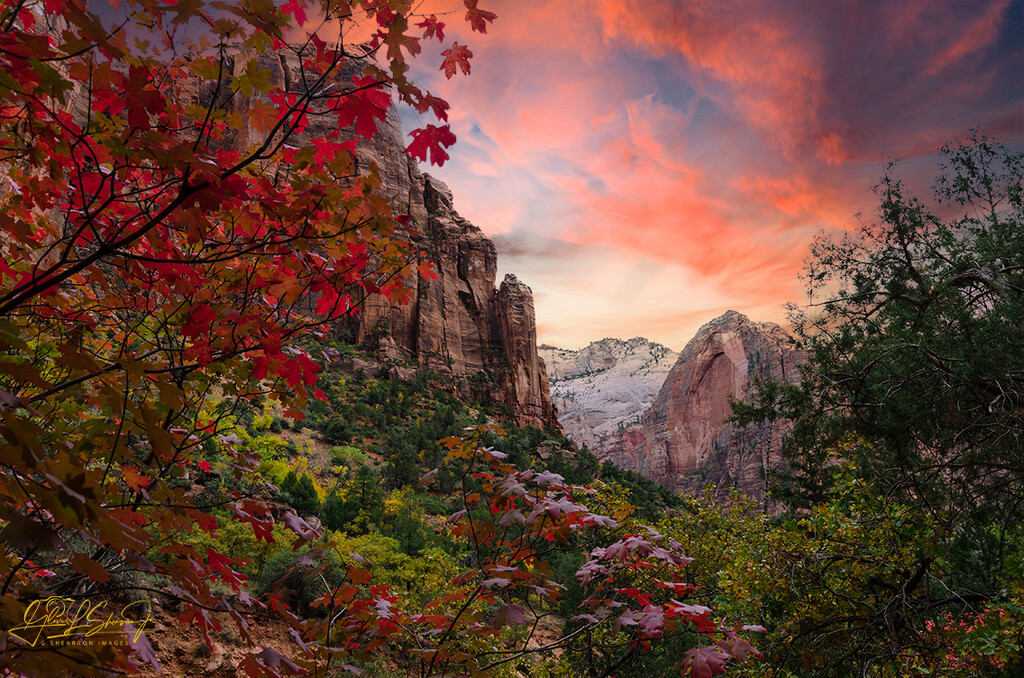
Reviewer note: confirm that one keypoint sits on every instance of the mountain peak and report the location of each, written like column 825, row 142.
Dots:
column 683, row 440
column 605, row 386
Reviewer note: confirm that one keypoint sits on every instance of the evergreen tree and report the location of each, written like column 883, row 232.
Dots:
column 300, row 494
column 364, row 502
column 915, row 381
column 337, row 514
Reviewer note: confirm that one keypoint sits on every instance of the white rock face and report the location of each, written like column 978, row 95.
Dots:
column 605, row 387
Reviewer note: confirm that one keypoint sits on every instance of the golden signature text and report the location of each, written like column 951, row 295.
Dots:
column 58, row 619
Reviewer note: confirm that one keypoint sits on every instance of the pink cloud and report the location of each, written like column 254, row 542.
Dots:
column 980, row 33
column 707, row 138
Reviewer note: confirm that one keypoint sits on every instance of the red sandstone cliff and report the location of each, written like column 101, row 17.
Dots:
column 526, row 380
column 683, row 441
column 459, row 324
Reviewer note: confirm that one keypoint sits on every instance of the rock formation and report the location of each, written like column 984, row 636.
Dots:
column 683, row 441
column 459, row 324
column 484, row 338
column 604, row 388
column 527, row 380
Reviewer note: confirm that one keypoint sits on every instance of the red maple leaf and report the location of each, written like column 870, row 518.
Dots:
column 133, row 478
column 432, row 28
column 427, row 272
column 139, row 643
column 705, row 662
column 88, row 566
column 431, row 140
column 478, row 18
column 427, row 101
column 455, row 57
column 328, row 299
column 262, row 115
column 297, row 9
column 364, row 107
column 142, row 97
column 199, row 321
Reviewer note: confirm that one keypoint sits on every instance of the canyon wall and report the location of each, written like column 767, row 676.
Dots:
column 605, row 387
column 460, row 324
column 683, row 441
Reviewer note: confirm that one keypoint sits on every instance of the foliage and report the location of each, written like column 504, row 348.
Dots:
column 176, row 215
column 650, row 497
column 511, row 522
column 403, row 521
column 841, row 590
column 914, row 346
column 983, row 643
column 254, row 555
column 299, row 493
column 359, row 508
column 860, row 574
column 348, row 456
column 179, row 221
column 905, row 460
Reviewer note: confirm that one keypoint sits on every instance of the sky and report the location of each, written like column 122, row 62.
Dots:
column 646, row 165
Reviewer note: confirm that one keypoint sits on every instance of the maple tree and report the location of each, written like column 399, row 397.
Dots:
column 180, row 203
column 513, row 522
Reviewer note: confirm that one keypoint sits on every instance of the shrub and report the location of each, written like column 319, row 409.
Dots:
column 299, row 492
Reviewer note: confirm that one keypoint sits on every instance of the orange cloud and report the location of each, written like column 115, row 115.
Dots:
column 706, row 140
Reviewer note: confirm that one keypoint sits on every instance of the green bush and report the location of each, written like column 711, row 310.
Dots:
column 335, row 431
column 349, row 456
column 300, row 494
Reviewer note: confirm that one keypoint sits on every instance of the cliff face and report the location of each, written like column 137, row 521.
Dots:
column 526, row 383
column 683, row 441
column 459, row 324
column 603, row 389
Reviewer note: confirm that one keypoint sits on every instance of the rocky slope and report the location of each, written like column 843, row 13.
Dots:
column 682, row 441
column 605, row 387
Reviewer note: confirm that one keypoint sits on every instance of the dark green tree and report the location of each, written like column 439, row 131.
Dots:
column 407, row 530
column 404, row 467
column 914, row 342
column 337, row 514
column 298, row 491
column 914, row 336
column 361, row 507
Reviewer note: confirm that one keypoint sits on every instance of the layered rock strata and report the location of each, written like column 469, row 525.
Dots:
column 683, row 441
column 604, row 388
column 459, row 324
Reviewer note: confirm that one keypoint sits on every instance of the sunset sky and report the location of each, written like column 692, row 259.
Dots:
column 645, row 165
